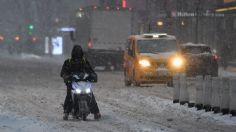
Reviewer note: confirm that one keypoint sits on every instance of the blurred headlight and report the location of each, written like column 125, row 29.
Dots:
column 178, row 62
column 144, row 63
column 88, row 90
column 78, row 91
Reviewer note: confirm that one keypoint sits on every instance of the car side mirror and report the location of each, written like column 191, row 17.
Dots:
column 131, row 53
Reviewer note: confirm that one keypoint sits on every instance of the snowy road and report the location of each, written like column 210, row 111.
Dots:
column 31, row 94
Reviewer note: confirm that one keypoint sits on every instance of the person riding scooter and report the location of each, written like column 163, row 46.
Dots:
column 77, row 64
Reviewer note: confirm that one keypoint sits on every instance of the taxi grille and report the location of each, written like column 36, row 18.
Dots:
column 160, row 64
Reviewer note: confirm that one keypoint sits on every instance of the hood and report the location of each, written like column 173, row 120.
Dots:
column 77, row 52
column 158, row 56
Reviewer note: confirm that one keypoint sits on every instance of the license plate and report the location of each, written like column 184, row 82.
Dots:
column 162, row 71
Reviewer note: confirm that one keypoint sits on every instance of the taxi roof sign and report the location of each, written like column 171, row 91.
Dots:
column 154, row 35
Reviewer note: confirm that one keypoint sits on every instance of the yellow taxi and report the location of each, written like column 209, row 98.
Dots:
column 151, row 58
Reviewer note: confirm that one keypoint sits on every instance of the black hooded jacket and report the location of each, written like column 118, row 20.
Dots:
column 76, row 64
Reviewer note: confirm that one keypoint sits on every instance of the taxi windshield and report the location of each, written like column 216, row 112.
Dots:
column 156, row 46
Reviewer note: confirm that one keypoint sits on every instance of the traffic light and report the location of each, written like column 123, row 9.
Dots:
column 30, row 29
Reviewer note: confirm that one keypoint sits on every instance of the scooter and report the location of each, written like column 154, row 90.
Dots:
column 81, row 97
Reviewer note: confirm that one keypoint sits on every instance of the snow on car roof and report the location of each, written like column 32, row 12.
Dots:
column 142, row 37
column 192, row 45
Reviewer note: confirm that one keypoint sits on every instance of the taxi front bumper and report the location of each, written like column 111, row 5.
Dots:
column 151, row 77
column 154, row 76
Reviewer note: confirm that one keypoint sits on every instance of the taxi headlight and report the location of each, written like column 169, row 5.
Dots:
column 144, row 63
column 177, row 62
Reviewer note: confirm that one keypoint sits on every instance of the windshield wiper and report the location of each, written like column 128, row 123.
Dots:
column 155, row 52
column 151, row 52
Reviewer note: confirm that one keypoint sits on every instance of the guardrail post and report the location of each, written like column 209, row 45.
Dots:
column 191, row 91
column 176, row 90
column 232, row 93
column 183, row 98
column 199, row 92
column 224, row 100
column 207, row 85
column 215, row 99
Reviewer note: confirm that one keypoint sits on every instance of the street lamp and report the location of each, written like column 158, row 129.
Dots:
column 17, row 38
column 160, row 23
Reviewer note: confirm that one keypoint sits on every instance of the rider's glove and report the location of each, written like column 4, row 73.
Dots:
column 67, row 82
column 92, row 77
column 74, row 79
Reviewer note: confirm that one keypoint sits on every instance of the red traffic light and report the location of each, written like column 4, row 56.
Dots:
column 1, row 38
column 90, row 44
column 34, row 39
column 124, row 3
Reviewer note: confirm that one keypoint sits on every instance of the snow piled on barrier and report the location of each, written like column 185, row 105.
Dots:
column 165, row 106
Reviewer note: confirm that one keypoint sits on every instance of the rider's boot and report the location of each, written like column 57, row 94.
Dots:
column 66, row 115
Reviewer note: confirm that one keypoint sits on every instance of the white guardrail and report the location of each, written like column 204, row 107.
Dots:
column 216, row 94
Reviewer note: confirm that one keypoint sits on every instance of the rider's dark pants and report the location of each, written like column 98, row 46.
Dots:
column 68, row 103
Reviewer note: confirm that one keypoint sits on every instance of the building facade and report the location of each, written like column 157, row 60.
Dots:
column 227, row 28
